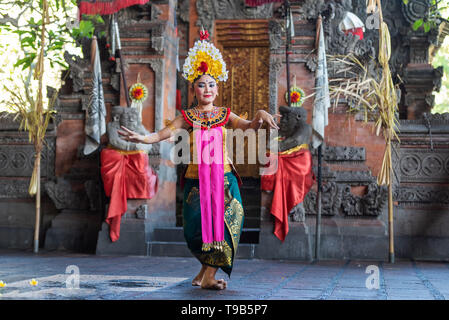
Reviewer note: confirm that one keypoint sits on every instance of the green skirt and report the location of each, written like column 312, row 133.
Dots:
column 233, row 220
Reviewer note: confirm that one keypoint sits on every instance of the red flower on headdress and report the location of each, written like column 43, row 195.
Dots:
column 204, row 35
column 203, row 67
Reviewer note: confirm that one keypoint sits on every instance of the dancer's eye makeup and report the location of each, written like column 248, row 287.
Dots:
column 203, row 84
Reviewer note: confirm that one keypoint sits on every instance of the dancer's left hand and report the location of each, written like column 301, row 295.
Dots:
column 263, row 116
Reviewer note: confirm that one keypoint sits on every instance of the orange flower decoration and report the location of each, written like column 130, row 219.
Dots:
column 138, row 92
column 295, row 97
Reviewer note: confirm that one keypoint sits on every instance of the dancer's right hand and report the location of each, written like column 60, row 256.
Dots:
column 131, row 136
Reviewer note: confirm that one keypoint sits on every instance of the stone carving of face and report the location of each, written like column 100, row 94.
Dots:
column 130, row 119
column 252, row 12
column 115, row 113
column 291, row 119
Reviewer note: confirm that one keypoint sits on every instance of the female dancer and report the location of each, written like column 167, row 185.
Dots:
column 212, row 206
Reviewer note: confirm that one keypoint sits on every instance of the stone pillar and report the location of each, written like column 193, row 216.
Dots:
column 149, row 48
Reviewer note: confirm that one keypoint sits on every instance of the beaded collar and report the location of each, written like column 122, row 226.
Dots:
column 207, row 119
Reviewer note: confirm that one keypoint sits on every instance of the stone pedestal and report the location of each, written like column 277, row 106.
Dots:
column 340, row 238
column 349, row 238
column 135, row 230
column 73, row 231
column 297, row 245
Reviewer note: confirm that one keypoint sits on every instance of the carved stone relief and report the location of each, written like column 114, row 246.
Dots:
column 423, row 162
column 183, row 10
column 344, row 153
column 275, row 66
column 337, row 199
column 158, row 67
column 371, row 204
column 64, row 197
column 422, row 165
column 77, row 68
column 275, row 34
column 209, row 11
column 414, row 10
column 158, row 38
column 17, row 160
column 419, row 195
column 330, row 200
column 139, row 13
column 336, row 41
column 14, row 189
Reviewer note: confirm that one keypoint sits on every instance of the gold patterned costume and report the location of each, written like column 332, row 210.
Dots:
column 233, row 216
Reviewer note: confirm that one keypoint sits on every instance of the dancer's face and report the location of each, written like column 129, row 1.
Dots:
column 206, row 89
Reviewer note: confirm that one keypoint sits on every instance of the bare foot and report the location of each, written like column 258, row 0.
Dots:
column 209, row 282
column 196, row 282
column 223, row 282
column 213, row 284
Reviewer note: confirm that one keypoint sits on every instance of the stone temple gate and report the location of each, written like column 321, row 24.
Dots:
column 354, row 223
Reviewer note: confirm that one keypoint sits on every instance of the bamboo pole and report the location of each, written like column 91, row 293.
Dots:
column 39, row 134
column 388, row 150
column 38, row 201
column 390, row 221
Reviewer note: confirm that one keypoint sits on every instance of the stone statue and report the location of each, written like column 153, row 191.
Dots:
column 127, row 117
column 295, row 131
column 293, row 127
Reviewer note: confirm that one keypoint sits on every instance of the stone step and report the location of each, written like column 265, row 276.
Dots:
column 176, row 234
column 252, row 211
column 250, row 199
column 180, row 249
column 250, row 192
column 251, row 222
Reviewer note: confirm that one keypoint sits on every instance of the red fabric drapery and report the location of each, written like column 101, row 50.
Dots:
column 104, row 7
column 290, row 184
column 125, row 176
column 255, row 3
column 356, row 32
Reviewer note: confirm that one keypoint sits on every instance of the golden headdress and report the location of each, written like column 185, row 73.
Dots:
column 204, row 58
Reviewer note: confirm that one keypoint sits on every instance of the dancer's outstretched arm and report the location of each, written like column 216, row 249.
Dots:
column 154, row 137
column 260, row 117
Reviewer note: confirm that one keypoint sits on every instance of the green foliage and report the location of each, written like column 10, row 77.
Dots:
column 435, row 14
column 442, row 97
column 61, row 29
column 438, row 12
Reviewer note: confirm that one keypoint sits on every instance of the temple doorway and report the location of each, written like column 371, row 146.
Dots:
column 245, row 49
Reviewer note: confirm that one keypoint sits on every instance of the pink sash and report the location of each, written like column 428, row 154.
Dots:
column 209, row 146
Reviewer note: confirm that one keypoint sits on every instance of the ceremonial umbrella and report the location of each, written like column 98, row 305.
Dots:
column 108, row 7
column 351, row 23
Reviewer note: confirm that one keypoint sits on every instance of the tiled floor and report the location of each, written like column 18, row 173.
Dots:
column 89, row 277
